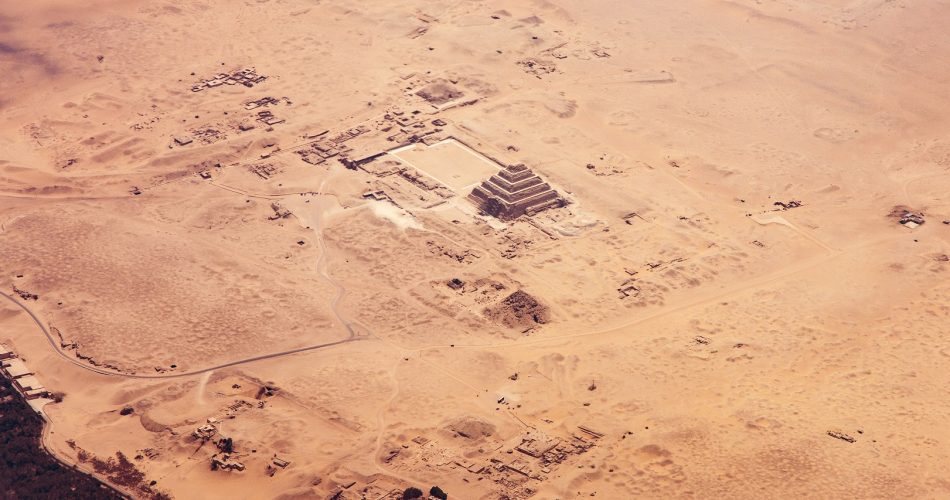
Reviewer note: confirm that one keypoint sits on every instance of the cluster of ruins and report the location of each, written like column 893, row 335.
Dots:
column 247, row 77
column 326, row 147
column 227, row 456
column 516, row 467
column 395, row 126
column 540, row 455
column 386, row 169
column 513, row 192
column 409, row 127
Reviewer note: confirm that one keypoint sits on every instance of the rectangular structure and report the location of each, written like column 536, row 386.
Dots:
column 15, row 368
column 449, row 161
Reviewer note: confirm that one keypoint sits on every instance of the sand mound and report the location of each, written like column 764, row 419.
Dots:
column 471, row 428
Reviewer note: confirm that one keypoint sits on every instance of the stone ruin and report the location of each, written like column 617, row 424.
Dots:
column 519, row 310
column 513, row 192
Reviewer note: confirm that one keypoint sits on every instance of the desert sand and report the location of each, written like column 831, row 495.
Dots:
column 238, row 239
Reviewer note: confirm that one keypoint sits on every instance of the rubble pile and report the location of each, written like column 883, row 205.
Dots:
column 907, row 217
column 519, row 310
column 24, row 294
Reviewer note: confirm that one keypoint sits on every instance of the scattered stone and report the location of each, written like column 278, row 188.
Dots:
column 787, row 206
column 842, row 436
column 24, row 294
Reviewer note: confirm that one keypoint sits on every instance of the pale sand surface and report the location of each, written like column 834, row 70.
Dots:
column 711, row 342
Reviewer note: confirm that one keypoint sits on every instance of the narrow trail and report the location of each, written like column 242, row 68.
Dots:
column 340, row 291
column 89, row 367
column 202, row 387
column 381, row 428
column 352, row 336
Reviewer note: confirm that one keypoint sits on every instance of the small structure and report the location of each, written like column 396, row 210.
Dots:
column 264, row 101
column 628, row 288
column 30, row 387
column 590, row 432
column 268, row 118
column 36, row 393
column 377, row 195
column 536, row 444
column 513, row 192
column 6, row 352
column 224, row 462
column 842, row 436
column 183, row 140
column 15, row 368
column 205, row 432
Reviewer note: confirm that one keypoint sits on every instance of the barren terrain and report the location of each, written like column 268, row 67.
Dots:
column 239, row 245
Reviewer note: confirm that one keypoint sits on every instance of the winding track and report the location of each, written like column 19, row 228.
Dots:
column 715, row 295
column 56, row 347
column 334, row 306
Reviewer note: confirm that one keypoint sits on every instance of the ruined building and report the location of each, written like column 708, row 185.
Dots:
column 513, row 191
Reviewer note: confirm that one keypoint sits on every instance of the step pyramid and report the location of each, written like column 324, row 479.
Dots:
column 514, row 191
